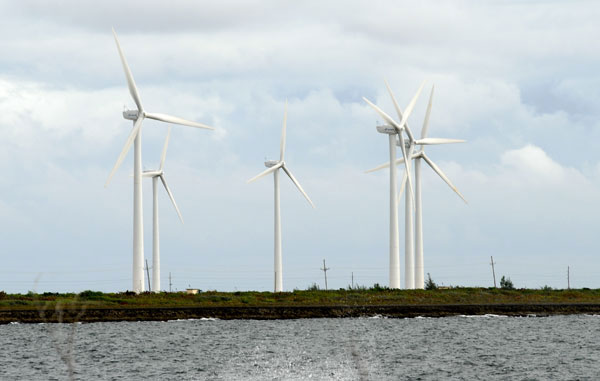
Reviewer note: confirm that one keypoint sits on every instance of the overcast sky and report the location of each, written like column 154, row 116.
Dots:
column 517, row 79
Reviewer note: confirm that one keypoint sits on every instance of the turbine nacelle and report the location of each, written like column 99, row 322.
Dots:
column 271, row 163
column 406, row 144
column 387, row 129
column 152, row 173
column 131, row 114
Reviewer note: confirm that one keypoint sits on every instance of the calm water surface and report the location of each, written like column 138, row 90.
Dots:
column 456, row 348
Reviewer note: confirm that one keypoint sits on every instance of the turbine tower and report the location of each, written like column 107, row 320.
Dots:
column 135, row 138
column 392, row 129
column 273, row 166
column 409, row 247
column 419, row 270
column 419, row 259
column 156, row 175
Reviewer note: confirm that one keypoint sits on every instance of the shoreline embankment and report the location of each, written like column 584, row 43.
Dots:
column 94, row 314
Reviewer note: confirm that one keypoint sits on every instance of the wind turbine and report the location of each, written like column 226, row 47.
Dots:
column 392, row 129
column 135, row 138
column 419, row 278
column 273, row 166
column 156, row 175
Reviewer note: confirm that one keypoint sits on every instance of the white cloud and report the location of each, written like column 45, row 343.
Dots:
column 531, row 162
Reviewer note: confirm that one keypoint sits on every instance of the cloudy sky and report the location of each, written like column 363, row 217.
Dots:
column 517, row 79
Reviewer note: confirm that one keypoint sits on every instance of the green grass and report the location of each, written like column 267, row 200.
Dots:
column 374, row 296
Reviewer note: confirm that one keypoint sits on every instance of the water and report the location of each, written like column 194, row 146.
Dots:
column 456, row 348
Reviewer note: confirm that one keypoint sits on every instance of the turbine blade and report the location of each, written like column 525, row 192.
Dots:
column 443, row 176
column 282, row 145
column 132, row 135
column 399, row 111
column 426, row 121
column 385, row 116
column 410, row 107
column 266, row 172
column 402, row 185
column 407, row 166
column 176, row 120
column 297, row 184
column 162, row 178
column 386, row 165
column 431, row 141
column 164, row 152
column 130, row 82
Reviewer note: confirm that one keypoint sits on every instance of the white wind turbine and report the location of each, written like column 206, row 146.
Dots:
column 392, row 129
column 273, row 167
column 418, row 273
column 156, row 175
column 135, row 136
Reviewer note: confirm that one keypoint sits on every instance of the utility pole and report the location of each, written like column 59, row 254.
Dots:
column 353, row 280
column 170, row 284
column 568, row 278
column 148, row 275
column 493, row 270
column 325, row 271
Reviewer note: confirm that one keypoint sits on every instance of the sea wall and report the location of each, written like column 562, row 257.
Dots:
column 90, row 315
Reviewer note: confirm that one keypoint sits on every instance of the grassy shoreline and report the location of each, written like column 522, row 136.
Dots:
column 362, row 297
column 94, row 306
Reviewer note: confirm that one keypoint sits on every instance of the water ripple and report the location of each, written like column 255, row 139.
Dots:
column 457, row 348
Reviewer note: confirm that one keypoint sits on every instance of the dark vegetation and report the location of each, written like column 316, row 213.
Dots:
column 507, row 284
column 430, row 284
column 358, row 296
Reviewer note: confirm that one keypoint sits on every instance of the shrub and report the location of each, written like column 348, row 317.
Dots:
column 506, row 283
column 377, row 287
column 313, row 287
column 429, row 283
column 89, row 294
column 17, row 303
